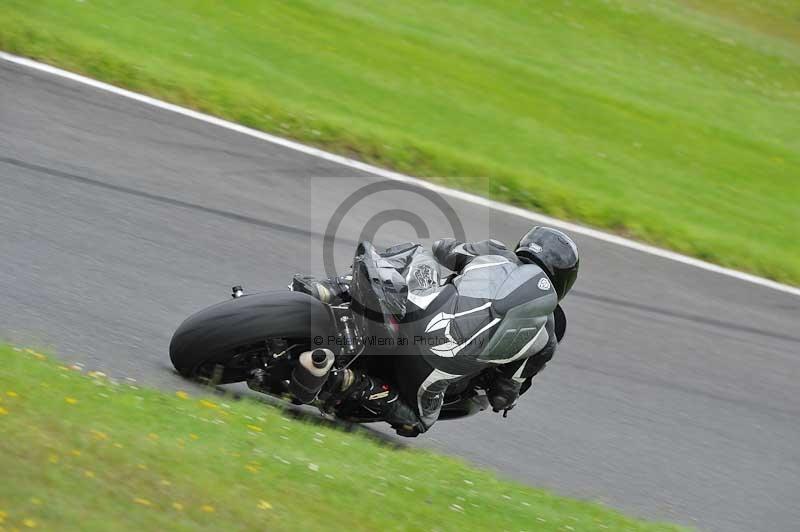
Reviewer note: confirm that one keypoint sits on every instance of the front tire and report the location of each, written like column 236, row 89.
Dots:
column 215, row 336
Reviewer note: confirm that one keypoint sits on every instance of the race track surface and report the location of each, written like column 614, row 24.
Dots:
column 675, row 396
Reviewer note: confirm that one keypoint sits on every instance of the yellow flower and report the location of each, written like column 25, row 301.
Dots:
column 35, row 354
column 251, row 468
column 3, row 411
column 182, row 394
column 254, row 428
column 99, row 435
column 30, row 523
column 264, row 505
column 3, row 516
column 11, row 393
column 75, row 452
column 53, row 459
column 207, row 508
column 153, row 436
column 71, row 400
column 208, row 404
column 178, row 506
column 143, row 502
column 194, row 436
column 141, row 466
column 88, row 474
column 165, row 482
column 35, row 501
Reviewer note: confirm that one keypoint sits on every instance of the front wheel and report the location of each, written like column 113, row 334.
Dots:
column 224, row 336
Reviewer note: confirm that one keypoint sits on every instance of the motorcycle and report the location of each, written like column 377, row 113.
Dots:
column 260, row 339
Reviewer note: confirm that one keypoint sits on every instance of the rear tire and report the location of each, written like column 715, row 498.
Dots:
column 215, row 336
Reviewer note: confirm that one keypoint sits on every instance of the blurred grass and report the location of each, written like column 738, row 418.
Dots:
column 84, row 452
column 672, row 121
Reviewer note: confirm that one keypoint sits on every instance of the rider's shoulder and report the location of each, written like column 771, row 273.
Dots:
column 490, row 260
column 527, row 285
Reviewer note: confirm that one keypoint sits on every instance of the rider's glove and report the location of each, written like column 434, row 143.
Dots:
column 503, row 393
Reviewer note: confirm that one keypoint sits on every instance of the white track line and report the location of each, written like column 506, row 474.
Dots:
column 464, row 196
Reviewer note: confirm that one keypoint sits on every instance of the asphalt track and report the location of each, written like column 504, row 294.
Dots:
column 676, row 395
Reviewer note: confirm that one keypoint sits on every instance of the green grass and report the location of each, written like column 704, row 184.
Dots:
column 83, row 452
column 675, row 122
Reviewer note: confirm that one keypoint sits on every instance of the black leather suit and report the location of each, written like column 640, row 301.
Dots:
column 493, row 312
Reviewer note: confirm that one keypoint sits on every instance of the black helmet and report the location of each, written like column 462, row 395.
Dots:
column 555, row 253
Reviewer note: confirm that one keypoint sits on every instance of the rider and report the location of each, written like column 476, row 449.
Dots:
column 498, row 311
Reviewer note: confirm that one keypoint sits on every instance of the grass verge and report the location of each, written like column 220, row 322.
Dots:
column 85, row 452
column 672, row 121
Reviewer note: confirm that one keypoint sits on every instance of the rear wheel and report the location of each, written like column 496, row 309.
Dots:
column 244, row 359
column 223, row 341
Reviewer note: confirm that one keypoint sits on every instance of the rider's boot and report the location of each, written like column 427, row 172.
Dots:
column 376, row 396
column 332, row 291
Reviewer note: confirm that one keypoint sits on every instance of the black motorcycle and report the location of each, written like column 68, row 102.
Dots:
column 258, row 338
